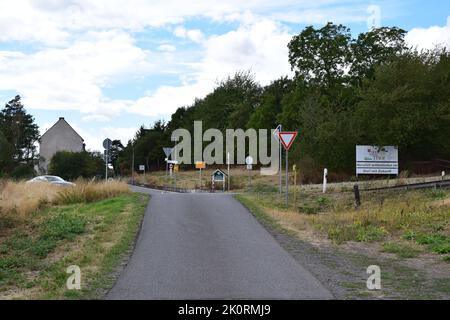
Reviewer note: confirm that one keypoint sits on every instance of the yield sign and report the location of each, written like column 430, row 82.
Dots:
column 287, row 138
column 167, row 151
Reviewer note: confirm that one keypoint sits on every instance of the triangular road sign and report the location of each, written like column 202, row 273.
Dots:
column 287, row 138
column 167, row 151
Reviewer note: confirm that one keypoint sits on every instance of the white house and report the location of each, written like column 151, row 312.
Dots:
column 60, row 137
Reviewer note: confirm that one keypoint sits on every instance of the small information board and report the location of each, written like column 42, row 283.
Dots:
column 218, row 176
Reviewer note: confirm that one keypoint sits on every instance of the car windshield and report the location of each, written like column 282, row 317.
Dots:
column 54, row 179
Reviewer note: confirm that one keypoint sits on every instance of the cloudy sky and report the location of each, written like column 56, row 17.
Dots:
column 109, row 66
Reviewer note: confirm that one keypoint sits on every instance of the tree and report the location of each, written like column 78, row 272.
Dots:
column 373, row 48
column 6, row 155
column 321, row 56
column 20, row 131
column 265, row 115
column 408, row 104
column 116, row 148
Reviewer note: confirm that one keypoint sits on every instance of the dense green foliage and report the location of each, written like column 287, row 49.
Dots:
column 369, row 90
column 73, row 165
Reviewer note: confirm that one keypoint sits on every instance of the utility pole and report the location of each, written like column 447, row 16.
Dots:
column 132, row 165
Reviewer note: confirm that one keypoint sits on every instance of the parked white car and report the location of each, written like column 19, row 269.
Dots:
column 55, row 180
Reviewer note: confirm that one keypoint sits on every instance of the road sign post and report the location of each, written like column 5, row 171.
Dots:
column 167, row 151
column 275, row 133
column 294, row 167
column 287, row 138
column 107, row 144
column 200, row 165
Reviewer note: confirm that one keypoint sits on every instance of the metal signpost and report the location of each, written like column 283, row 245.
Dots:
column 287, row 138
column 167, row 152
column 200, row 165
column 294, row 167
column 275, row 133
column 107, row 144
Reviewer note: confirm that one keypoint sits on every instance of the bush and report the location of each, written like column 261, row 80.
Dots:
column 73, row 165
column 23, row 172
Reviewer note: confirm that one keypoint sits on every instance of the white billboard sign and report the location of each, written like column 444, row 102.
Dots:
column 376, row 160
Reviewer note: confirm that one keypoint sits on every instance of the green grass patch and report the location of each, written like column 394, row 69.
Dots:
column 438, row 243
column 94, row 236
column 401, row 250
column 257, row 211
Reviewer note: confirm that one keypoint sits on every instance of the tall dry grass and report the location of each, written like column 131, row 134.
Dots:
column 19, row 199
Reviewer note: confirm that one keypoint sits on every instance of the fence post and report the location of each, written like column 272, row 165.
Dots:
column 357, row 196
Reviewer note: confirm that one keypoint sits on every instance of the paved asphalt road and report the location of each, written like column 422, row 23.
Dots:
column 208, row 246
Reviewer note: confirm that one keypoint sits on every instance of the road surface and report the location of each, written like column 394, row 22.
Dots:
column 208, row 246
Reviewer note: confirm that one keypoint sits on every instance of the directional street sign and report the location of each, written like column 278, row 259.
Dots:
column 200, row 165
column 287, row 138
column 107, row 144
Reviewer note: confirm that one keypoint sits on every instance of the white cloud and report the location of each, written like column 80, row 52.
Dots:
column 167, row 48
column 428, row 38
column 194, row 35
column 259, row 45
column 52, row 22
column 72, row 78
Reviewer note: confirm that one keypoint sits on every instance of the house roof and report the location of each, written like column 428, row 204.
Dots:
column 62, row 119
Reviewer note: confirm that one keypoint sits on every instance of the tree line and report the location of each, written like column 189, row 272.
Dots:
column 369, row 90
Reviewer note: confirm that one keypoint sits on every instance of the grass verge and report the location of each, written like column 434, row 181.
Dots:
column 94, row 236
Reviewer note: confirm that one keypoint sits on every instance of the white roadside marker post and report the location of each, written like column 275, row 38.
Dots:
column 325, row 174
column 228, row 163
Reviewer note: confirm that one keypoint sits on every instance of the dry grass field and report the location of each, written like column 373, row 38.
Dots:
column 44, row 229
column 19, row 199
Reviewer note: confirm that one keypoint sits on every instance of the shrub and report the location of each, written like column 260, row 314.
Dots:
column 73, row 165
column 23, row 172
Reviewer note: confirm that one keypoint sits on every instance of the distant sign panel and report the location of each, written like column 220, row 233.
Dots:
column 376, row 160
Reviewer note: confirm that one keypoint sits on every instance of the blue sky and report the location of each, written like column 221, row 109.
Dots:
column 110, row 66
